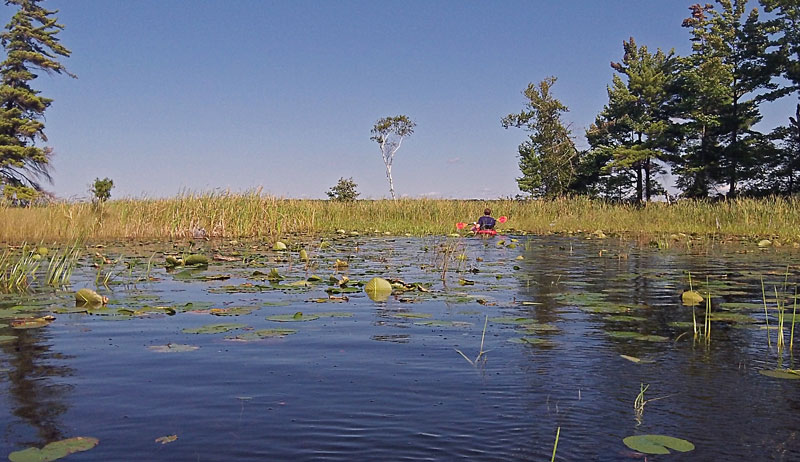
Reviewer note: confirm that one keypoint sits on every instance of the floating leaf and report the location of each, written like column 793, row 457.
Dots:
column 657, row 444
column 296, row 317
column 89, row 297
column 279, row 246
column 6, row 338
column 32, row 323
column 261, row 334
column 412, row 315
column 214, row 328
column 172, row 348
column 303, row 255
column 533, row 341
column 166, row 439
column 439, row 323
column 691, row 297
column 54, row 451
column 232, row 311
column 334, row 314
column 637, row 336
column 791, row 374
column 378, row 289
column 196, row 260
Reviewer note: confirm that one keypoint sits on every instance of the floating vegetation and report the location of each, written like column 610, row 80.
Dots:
column 636, row 360
column 394, row 338
column 334, row 314
column 378, row 289
column 407, row 315
column 261, row 334
column 172, row 348
column 214, row 328
column 691, row 298
column 7, row 338
column 624, row 318
column 54, row 451
column 296, row 317
column 657, row 444
column 32, row 323
column 636, row 336
column 89, row 297
column 533, row 341
column 233, row 311
column 790, row 374
column 440, row 323
column 166, row 439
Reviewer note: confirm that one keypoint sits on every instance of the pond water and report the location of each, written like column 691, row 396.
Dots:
column 566, row 320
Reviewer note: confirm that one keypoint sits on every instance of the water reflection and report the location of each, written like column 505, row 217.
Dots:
column 36, row 396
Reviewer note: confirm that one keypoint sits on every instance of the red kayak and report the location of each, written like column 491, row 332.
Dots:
column 486, row 232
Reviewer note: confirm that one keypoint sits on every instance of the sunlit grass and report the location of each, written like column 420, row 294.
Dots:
column 253, row 214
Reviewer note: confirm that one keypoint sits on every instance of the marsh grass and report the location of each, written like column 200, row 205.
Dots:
column 555, row 445
column 254, row 214
column 17, row 270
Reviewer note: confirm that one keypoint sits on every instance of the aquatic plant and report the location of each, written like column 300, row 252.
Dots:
column 555, row 445
column 481, row 352
column 17, row 271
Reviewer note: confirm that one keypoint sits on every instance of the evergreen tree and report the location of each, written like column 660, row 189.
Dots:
column 629, row 133
column 719, row 86
column 548, row 157
column 31, row 44
column 785, row 25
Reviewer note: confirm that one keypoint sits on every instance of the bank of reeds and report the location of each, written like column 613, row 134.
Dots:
column 257, row 215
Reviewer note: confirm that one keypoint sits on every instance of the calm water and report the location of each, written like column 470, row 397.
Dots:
column 383, row 380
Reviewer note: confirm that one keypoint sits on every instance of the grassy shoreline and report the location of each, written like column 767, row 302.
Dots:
column 254, row 215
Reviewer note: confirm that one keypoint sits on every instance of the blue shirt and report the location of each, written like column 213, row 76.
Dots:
column 486, row 222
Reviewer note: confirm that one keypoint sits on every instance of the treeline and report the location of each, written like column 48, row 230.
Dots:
column 694, row 115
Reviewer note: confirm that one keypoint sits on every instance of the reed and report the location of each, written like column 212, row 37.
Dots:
column 17, row 271
column 555, row 445
column 254, row 214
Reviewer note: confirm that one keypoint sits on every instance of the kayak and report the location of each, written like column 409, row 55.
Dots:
column 486, row 232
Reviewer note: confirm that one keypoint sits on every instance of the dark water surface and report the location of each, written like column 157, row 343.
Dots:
column 388, row 384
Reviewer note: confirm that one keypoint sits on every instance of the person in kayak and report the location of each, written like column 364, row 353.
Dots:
column 485, row 222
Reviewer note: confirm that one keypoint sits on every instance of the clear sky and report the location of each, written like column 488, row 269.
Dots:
column 202, row 95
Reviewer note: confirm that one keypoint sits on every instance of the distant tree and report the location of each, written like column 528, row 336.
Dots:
column 343, row 191
column 389, row 133
column 102, row 189
column 31, row 44
column 784, row 24
column 548, row 157
column 630, row 132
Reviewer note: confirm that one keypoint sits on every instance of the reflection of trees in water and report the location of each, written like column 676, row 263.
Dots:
column 35, row 397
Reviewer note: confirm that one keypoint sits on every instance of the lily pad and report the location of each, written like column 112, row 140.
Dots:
column 296, row 317
column 691, row 297
column 32, row 323
column 6, row 338
column 412, row 315
column 196, row 260
column 54, row 451
column 261, row 334
column 637, row 336
column 334, row 314
column 440, row 323
column 532, row 341
column 790, row 374
column 214, row 328
column 172, row 348
column 233, row 311
column 378, row 289
column 89, row 297
column 657, row 444
column 279, row 246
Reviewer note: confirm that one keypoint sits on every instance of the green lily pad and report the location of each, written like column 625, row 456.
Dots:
column 260, row 335
column 412, row 315
column 623, row 318
column 439, row 323
column 214, row 328
column 54, row 451
column 334, row 314
column 657, row 444
column 683, row 324
column 6, row 338
column 532, row 341
column 89, row 297
column 636, row 336
column 172, row 348
column 510, row 320
column 233, row 311
column 296, row 317
column 31, row 323
column 790, row 374
column 196, row 260
column 691, row 297
column 731, row 317
column 378, row 289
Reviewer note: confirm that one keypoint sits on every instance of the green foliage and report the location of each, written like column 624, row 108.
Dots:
column 630, row 135
column 389, row 133
column 548, row 157
column 30, row 43
column 102, row 189
column 343, row 191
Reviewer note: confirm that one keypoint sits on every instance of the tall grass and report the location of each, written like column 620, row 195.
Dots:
column 253, row 214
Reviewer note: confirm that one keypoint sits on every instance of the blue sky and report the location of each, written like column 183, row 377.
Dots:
column 209, row 95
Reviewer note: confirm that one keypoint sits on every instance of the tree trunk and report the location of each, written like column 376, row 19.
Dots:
column 647, row 179
column 639, row 183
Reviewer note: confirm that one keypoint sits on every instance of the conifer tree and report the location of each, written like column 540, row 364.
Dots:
column 31, row 45
column 629, row 133
column 548, row 157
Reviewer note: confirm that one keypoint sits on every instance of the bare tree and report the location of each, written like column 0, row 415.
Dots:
column 389, row 132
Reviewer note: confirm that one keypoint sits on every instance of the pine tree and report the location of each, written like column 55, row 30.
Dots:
column 548, row 157
column 31, row 44
column 630, row 131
